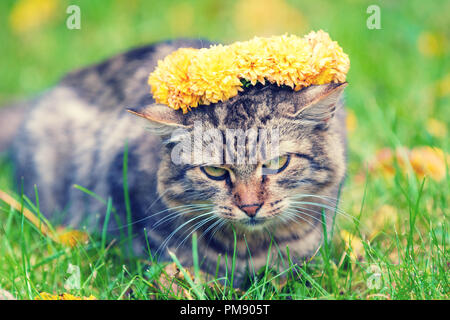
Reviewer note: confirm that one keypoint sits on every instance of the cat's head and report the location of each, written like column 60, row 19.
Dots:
column 252, row 160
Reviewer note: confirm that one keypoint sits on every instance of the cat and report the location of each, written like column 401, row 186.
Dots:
column 80, row 133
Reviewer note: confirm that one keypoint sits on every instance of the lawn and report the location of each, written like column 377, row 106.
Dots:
column 391, row 242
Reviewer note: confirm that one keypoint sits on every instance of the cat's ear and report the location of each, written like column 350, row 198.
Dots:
column 161, row 119
column 317, row 102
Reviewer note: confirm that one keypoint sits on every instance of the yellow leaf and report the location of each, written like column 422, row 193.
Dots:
column 171, row 277
column 71, row 238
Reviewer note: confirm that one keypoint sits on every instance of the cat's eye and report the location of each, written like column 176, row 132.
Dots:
column 276, row 165
column 215, row 173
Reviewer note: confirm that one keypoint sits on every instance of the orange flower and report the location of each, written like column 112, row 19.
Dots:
column 189, row 77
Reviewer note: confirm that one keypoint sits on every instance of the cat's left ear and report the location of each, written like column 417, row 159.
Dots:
column 318, row 102
column 161, row 118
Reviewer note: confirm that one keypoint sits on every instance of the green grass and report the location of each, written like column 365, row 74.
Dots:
column 396, row 85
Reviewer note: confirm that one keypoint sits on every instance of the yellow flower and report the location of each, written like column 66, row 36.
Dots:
column 436, row 128
column 63, row 296
column 30, row 14
column 189, row 77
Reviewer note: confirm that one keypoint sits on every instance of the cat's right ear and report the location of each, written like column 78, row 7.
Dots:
column 316, row 103
column 161, row 119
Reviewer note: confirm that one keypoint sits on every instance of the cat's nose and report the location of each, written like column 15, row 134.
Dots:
column 251, row 209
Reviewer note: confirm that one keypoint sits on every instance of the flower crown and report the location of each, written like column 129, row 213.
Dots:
column 190, row 77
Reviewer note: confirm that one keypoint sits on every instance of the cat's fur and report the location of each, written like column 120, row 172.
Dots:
column 76, row 133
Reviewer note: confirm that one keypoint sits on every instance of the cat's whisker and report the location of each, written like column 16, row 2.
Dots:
column 221, row 225
column 322, row 205
column 206, row 206
column 181, row 207
column 213, row 225
column 197, row 226
column 329, row 199
column 299, row 209
column 334, row 209
column 179, row 213
column 292, row 216
column 157, row 199
column 339, row 212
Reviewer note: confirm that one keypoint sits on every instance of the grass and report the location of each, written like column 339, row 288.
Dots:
column 397, row 84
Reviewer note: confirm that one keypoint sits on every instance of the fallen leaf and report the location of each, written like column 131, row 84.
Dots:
column 71, row 238
column 172, row 277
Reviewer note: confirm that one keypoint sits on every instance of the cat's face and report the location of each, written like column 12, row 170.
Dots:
column 274, row 150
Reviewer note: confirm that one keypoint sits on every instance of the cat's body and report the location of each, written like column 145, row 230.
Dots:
column 76, row 133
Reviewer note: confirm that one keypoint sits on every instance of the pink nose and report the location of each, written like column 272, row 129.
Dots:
column 251, row 209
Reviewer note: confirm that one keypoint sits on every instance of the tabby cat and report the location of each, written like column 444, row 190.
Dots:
column 80, row 133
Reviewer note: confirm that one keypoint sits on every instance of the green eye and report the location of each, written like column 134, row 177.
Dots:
column 215, row 173
column 277, row 164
